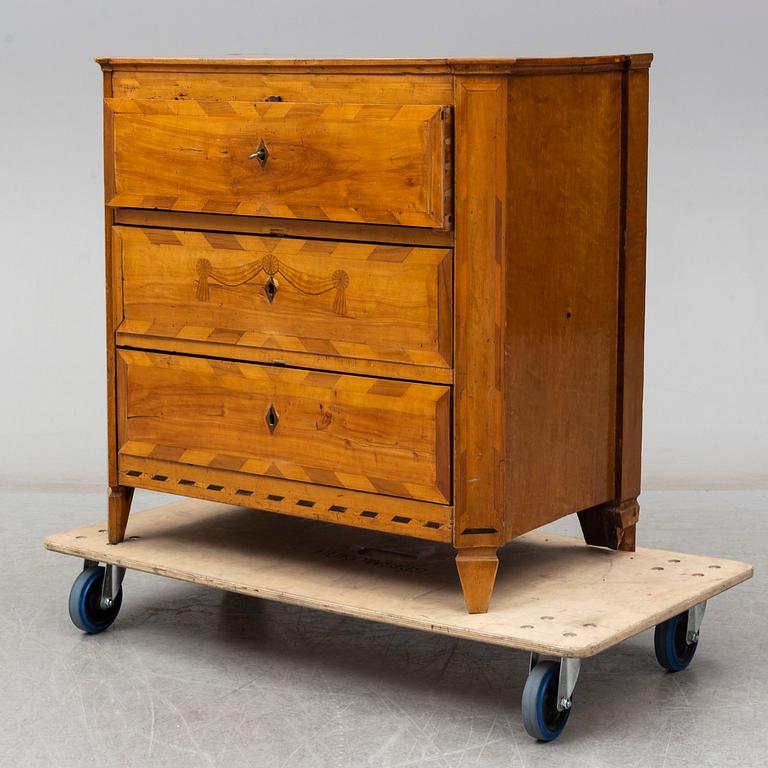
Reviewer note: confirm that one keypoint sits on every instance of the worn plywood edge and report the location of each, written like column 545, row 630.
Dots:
column 467, row 66
column 745, row 573
column 433, row 610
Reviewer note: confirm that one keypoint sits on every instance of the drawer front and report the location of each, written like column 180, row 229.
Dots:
column 376, row 435
column 387, row 303
column 378, row 163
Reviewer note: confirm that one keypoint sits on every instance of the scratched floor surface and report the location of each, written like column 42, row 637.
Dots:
column 190, row 676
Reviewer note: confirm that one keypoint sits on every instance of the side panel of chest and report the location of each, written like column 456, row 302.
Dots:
column 562, row 312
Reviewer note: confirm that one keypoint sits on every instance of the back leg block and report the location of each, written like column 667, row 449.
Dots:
column 611, row 525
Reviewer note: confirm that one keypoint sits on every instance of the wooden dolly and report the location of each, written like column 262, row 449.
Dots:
column 555, row 596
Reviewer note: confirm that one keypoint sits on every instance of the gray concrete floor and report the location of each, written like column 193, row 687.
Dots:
column 190, row 676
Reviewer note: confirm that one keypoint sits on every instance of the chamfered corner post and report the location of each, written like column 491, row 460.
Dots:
column 614, row 524
column 479, row 445
column 120, row 498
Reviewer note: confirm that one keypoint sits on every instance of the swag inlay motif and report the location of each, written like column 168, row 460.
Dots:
column 272, row 266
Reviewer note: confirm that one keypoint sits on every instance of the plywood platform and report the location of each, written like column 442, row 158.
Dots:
column 553, row 594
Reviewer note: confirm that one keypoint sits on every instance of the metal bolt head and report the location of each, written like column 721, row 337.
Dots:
column 565, row 703
column 108, row 602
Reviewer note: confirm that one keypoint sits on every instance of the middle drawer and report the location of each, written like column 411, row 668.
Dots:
column 355, row 300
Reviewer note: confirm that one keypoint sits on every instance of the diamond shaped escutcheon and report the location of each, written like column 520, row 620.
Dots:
column 261, row 154
column 270, row 289
column 272, row 418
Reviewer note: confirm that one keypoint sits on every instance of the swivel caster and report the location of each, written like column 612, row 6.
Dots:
column 96, row 597
column 547, row 696
column 676, row 640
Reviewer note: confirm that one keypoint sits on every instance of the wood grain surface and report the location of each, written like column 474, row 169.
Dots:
column 376, row 435
column 295, row 86
column 380, row 234
column 421, row 519
column 377, row 163
column 632, row 288
column 562, row 300
column 479, row 445
column 397, row 302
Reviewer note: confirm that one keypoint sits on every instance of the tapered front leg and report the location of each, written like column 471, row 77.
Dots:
column 611, row 525
column 477, row 568
column 120, row 498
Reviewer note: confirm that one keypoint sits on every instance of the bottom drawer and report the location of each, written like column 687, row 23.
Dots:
column 377, row 435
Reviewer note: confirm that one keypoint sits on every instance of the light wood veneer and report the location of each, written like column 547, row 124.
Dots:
column 402, row 295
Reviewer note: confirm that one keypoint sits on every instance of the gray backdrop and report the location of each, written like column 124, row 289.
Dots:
column 707, row 328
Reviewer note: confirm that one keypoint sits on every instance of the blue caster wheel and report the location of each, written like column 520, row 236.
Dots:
column 85, row 608
column 541, row 717
column 673, row 650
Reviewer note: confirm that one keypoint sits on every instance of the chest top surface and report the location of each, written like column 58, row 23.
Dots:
column 389, row 65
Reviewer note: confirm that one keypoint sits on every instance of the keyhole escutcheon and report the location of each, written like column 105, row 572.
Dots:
column 261, row 154
column 272, row 418
column 270, row 289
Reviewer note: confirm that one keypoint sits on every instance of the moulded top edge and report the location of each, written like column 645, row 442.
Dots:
column 392, row 65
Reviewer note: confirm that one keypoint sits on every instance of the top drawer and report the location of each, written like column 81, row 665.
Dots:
column 370, row 163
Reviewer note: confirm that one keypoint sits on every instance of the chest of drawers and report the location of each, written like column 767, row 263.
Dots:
column 403, row 295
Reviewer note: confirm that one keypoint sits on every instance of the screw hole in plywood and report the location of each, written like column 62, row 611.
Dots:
column 697, row 574
column 79, row 537
column 526, row 626
column 102, row 530
column 673, row 560
column 569, row 634
column 657, row 568
column 713, row 566
column 589, row 624
column 547, row 618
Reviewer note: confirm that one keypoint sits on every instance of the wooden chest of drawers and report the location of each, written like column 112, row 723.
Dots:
column 404, row 295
